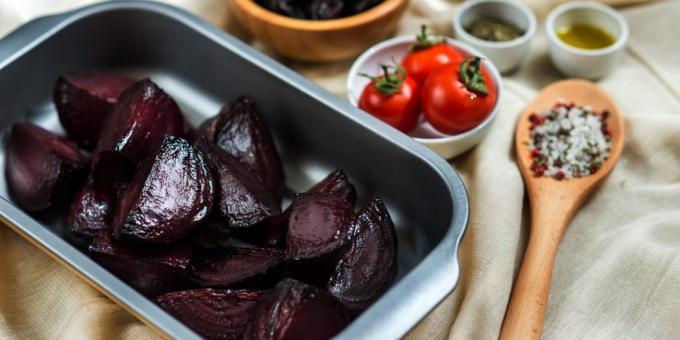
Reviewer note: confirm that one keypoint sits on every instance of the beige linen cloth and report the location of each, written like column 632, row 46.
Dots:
column 617, row 273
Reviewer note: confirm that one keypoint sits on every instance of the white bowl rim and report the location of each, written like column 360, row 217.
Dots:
column 530, row 32
column 495, row 75
column 592, row 6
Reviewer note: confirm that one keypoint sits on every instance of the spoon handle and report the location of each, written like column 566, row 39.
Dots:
column 526, row 310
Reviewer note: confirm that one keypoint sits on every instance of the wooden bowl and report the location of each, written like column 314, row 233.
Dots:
column 319, row 40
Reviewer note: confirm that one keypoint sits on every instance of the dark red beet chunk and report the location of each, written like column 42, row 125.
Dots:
column 239, row 130
column 237, row 266
column 241, row 199
column 212, row 313
column 367, row 269
column 335, row 183
column 294, row 310
column 84, row 101
column 170, row 195
column 138, row 121
column 41, row 167
column 318, row 226
column 212, row 235
column 151, row 270
column 91, row 210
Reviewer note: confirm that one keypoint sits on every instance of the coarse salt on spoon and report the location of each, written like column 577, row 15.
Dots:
column 553, row 204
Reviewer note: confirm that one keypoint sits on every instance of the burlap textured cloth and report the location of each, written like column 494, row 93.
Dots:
column 617, row 273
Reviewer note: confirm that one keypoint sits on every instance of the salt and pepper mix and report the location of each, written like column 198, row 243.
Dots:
column 568, row 141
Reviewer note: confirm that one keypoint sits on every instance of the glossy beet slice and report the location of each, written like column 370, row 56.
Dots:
column 335, row 183
column 294, row 310
column 212, row 235
column 241, row 199
column 170, row 195
column 151, row 270
column 369, row 266
column 242, row 133
column 237, row 266
column 212, row 313
column 318, row 226
column 84, row 101
column 138, row 121
column 41, row 167
column 91, row 210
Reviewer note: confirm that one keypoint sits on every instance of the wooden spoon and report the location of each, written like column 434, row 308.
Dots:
column 553, row 204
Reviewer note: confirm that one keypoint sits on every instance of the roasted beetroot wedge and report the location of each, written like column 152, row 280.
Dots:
column 212, row 235
column 237, row 266
column 294, row 310
column 318, row 226
column 241, row 199
column 169, row 196
column 336, row 183
column 212, row 313
column 41, row 167
column 91, row 210
column 369, row 266
column 137, row 123
column 151, row 270
column 240, row 131
column 84, row 101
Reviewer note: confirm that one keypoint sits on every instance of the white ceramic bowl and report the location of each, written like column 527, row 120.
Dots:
column 506, row 55
column 447, row 146
column 581, row 63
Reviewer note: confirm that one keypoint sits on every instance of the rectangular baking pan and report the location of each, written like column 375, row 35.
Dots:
column 202, row 67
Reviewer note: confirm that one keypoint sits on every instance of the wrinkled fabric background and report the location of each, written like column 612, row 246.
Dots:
column 617, row 273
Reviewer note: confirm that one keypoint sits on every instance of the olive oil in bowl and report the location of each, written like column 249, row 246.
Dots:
column 584, row 36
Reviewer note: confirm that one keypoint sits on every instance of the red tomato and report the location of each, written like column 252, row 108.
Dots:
column 457, row 97
column 428, row 54
column 393, row 98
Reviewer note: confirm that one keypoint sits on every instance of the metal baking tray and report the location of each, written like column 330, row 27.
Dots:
column 203, row 67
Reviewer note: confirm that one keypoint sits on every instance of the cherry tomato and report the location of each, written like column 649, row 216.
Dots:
column 428, row 54
column 457, row 97
column 392, row 98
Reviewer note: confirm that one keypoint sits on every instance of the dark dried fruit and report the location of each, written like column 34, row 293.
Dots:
column 289, row 8
column 241, row 199
column 318, row 226
column 237, row 266
column 358, row 6
column 91, row 210
column 335, row 183
column 318, row 9
column 369, row 266
column 41, row 167
column 84, row 101
column 212, row 313
column 138, row 121
column 326, row 9
column 151, row 270
column 170, row 195
column 242, row 133
column 294, row 310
